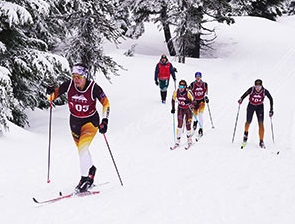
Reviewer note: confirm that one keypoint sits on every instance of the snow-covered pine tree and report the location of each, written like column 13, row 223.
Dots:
column 269, row 9
column 6, row 98
column 156, row 11
column 91, row 23
column 190, row 18
column 25, row 35
column 290, row 7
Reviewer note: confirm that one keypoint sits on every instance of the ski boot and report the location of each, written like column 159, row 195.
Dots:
column 86, row 182
column 261, row 144
column 189, row 142
column 245, row 137
column 177, row 143
column 200, row 132
column 195, row 125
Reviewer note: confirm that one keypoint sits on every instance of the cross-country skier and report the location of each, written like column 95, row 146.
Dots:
column 184, row 97
column 84, row 118
column 162, row 76
column 256, row 94
column 200, row 91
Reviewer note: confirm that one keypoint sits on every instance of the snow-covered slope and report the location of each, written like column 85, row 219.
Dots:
column 212, row 183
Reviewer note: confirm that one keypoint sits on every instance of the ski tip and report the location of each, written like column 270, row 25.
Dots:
column 60, row 194
column 278, row 152
column 35, row 200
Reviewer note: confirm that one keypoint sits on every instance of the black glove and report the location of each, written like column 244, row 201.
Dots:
column 50, row 90
column 270, row 113
column 172, row 110
column 175, row 70
column 103, row 126
column 206, row 99
column 240, row 101
column 157, row 83
column 187, row 101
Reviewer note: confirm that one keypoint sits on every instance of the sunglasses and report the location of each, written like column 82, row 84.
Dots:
column 74, row 76
column 181, row 87
column 258, row 86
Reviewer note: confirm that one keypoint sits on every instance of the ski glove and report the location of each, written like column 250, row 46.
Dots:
column 270, row 113
column 103, row 126
column 187, row 101
column 175, row 70
column 240, row 101
column 50, row 90
column 157, row 83
column 206, row 99
column 172, row 110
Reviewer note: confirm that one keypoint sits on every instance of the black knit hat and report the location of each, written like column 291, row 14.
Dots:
column 258, row 82
column 182, row 83
column 163, row 56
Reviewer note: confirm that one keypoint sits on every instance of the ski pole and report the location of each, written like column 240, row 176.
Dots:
column 273, row 137
column 236, row 124
column 195, row 116
column 210, row 115
column 174, row 127
column 49, row 141
column 112, row 158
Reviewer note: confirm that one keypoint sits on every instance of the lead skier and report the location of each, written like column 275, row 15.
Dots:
column 82, row 95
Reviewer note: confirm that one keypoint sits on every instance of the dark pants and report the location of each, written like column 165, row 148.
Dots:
column 163, row 83
column 259, row 109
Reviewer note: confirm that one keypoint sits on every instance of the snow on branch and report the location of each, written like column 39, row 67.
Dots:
column 6, row 98
column 14, row 14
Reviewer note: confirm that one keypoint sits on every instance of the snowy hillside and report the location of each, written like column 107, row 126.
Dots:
column 215, row 182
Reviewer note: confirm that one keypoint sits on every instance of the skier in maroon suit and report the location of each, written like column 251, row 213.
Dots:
column 256, row 94
column 82, row 95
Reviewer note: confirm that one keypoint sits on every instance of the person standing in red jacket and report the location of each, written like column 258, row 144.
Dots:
column 82, row 95
column 162, row 76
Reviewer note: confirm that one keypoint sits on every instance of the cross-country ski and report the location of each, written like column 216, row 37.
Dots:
column 61, row 197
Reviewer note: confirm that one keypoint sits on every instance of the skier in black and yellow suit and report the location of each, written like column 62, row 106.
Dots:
column 84, row 118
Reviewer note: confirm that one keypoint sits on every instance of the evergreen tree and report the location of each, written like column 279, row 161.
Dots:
column 26, row 39
column 268, row 9
column 155, row 11
column 90, row 24
column 291, row 7
column 190, row 18
column 6, row 99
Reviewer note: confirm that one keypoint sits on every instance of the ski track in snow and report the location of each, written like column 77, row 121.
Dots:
column 214, row 182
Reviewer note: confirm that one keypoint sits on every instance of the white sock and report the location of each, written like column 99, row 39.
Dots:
column 85, row 161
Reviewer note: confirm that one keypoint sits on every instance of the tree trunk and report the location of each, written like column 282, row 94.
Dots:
column 182, row 50
column 194, row 51
column 168, row 40
column 167, row 32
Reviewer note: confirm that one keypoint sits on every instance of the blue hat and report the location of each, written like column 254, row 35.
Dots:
column 198, row 74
